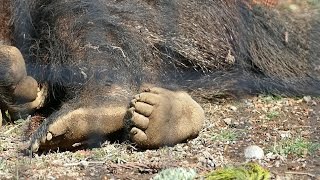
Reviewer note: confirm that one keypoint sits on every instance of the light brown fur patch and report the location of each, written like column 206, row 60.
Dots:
column 5, row 21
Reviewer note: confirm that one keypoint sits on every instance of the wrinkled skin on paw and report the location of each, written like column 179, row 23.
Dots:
column 162, row 117
column 19, row 93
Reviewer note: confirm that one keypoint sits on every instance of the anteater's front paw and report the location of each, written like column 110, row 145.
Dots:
column 19, row 93
column 53, row 134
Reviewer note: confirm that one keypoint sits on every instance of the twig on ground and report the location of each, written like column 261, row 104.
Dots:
column 301, row 173
column 84, row 163
column 16, row 126
column 11, row 129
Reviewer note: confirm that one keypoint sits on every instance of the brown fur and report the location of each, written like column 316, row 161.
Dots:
column 269, row 3
column 5, row 15
column 76, row 126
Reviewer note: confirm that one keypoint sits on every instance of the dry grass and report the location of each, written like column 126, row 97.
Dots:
column 218, row 145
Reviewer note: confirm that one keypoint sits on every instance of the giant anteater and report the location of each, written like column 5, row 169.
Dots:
column 94, row 68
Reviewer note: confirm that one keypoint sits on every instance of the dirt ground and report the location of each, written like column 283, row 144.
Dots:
column 287, row 129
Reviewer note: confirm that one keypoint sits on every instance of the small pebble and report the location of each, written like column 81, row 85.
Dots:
column 233, row 108
column 228, row 121
column 285, row 134
column 294, row 7
column 57, row 162
column 84, row 164
column 253, row 152
column 202, row 159
column 306, row 99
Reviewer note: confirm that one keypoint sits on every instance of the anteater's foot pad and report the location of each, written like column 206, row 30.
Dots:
column 162, row 117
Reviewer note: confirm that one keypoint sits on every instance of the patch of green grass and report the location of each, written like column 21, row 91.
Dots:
column 3, row 165
column 314, row 2
column 176, row 173
column 79, row 155
column 271, row 98
column 111, row 153
column 250, row 171
column 272, row 114
column 2, row 148
column 99, row 153
column 225, row 135
column 297, row 146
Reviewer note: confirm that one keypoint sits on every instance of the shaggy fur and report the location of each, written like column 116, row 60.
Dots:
column 187, row 41
column 5, row 15
column 82, row 49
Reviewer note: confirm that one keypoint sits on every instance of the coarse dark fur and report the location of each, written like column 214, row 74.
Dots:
column 4, row 21
column 72, row 43
column 80, row 48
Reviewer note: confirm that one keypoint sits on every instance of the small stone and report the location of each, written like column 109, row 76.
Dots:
column 233, row 108
column 306, row 99
column 248, row 103
column 206, row 154
column 57, row 162
column 314, row 103
column 211, row 163
column 84, row 164
column 294, row 7
column 268, row 135
column 253, row 152
column 271, row 156
column 305, row 133
column 51, row 177
column 202, row 159
column 299, row 101
column 236, row 123
column 285, row 134
column 228, row 121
